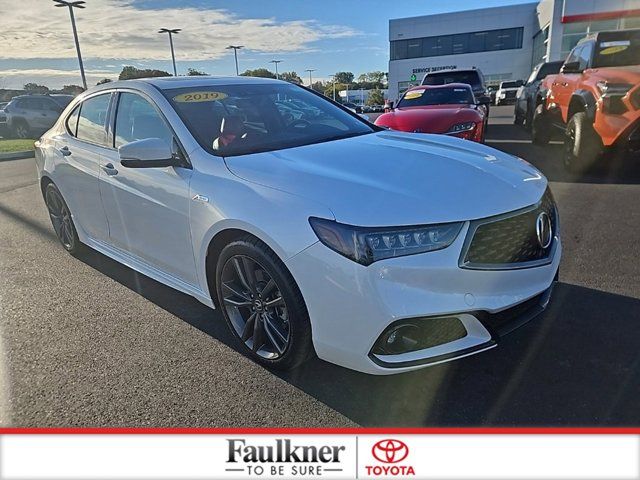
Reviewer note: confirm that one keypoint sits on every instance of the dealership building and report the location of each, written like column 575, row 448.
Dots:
column 504, row 42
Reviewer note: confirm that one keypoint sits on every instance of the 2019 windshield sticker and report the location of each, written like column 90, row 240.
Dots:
column 413, row 94
column 193, row 97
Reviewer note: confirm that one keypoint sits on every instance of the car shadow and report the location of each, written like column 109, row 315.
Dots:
column 610, row 169
column 577, row 364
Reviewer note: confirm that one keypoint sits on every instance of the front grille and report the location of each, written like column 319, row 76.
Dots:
column 511, row 94
column 510, row 240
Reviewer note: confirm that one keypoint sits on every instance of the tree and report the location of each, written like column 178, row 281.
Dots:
column 103, row 81
column 318, row 86
column 344, row 77
column 373, row 80
column 35, row 88
column 328, row 90
column 291, row 77
column 130, row 72
column 192, row 72
column 376, row 97
column 259, row 72
column 72, row 90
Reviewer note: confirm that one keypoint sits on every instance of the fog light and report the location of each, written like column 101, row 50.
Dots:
column 417, row 334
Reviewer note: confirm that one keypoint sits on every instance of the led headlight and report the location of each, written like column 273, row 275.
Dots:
column 462, row 127
column 366, row 245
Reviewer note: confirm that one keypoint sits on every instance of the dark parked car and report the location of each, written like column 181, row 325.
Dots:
column 3, row 119
column 529, row 97
column 31, row 115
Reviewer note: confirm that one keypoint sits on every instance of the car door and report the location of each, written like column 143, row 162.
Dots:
column 80, row 149
column 147, row 208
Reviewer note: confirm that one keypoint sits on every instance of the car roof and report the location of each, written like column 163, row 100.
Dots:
column 167, row 83
column 454, row 70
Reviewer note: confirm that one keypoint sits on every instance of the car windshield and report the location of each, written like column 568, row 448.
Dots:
column 469, row 78
column 421, row 97
column 230, row 120
column 509, row 84
column 617, row 49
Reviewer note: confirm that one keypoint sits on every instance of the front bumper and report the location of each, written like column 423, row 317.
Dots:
column 350, row 305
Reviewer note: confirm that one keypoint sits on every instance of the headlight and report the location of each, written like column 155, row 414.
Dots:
column 608, row 88
column 366, row 245
column 462, row 127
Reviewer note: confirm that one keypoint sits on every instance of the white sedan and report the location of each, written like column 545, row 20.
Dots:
column 379, row 251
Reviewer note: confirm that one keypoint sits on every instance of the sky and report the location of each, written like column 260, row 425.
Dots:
column 36, row 40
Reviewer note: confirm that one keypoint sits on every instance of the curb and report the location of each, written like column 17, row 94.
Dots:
column 17, row 155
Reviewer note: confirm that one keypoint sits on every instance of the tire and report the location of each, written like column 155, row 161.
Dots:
column 582, row 145
column 62, row 220
column 540, row 128
column 20, row 129
column 277, row 336
column 518, row 119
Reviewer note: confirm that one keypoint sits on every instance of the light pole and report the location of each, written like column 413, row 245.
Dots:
column 310, row 80
column 276, row 62
column 171, row 31
column 72, row 5
column 333, row 79
column 235, row 54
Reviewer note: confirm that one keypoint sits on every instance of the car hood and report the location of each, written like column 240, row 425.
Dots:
column 629, row 74
column 433, row 118
column 395, row 178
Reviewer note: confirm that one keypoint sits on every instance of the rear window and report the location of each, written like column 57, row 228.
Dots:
column 469, row 77
column 421, row 97
column 617, row 49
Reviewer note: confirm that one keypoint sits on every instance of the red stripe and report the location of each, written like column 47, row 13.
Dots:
column 321, row 431
column 585, row 17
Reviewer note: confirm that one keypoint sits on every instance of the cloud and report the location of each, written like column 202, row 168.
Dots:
column 117, row 29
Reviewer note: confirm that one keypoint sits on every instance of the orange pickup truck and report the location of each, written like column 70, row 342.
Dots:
column 595, row 99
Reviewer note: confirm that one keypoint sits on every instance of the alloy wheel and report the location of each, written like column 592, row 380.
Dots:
column 255, row 306
column 60, row 218
column 569, row 146
column 22, row 131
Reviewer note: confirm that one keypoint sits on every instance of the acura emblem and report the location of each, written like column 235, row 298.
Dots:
column 543, row 230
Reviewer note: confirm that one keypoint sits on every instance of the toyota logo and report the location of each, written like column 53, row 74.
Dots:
column 390, row 451
column 543, row 230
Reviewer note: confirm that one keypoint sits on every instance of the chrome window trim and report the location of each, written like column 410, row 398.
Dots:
column 475, row 224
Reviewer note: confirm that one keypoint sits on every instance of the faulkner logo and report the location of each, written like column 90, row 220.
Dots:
column 390, row 452
column 282, row 458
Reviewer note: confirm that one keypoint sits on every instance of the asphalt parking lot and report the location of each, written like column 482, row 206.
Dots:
column 89, row 342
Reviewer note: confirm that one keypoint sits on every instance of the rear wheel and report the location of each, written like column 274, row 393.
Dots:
column 61, row 219
column 582, row 144
column 540, row 128
column 262, row 304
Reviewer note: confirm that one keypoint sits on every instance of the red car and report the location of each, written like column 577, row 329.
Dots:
column 448, row 109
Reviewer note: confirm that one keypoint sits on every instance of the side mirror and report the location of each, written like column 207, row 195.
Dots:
column 147, row 153
column 483, row 100
column 571, row 67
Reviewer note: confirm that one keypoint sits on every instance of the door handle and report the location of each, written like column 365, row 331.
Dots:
column 65, row 151
column 109, row 169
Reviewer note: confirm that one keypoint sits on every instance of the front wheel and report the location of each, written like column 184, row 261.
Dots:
column 582, row 144
column 540, row 128
column 262, row 304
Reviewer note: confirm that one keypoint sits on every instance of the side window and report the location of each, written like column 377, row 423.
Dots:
column 585, row 55
column 72, row 121
column 574, row 55
column 91, row 122
column 137, row 119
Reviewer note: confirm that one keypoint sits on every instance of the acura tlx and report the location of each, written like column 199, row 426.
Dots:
column 311, row 229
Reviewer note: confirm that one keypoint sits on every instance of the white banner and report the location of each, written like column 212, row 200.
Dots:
column 237, row 456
